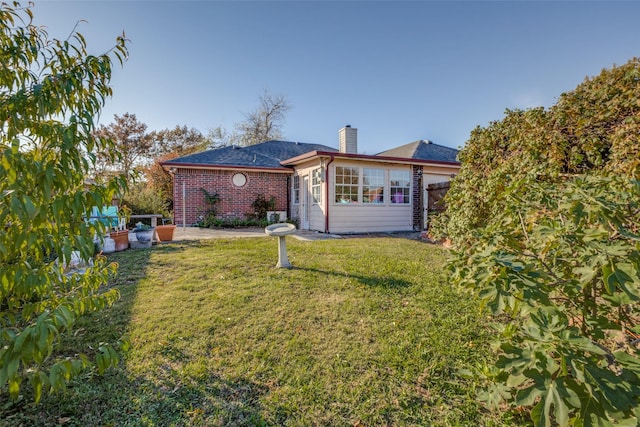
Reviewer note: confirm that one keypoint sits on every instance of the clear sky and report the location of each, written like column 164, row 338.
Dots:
column 397, row 71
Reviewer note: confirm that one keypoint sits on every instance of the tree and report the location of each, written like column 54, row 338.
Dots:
column 50, row 91
column 545, row 216
column 265, row 122
column 180, row 140
column 220, row 137
column 593, row 128
column 559, row 271
column 166, row 145
column 262, row 124
column 131, row 144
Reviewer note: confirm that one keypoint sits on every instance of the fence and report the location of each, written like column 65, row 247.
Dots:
column 436, row 193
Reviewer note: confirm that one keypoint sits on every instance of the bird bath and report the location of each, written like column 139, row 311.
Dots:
column 281, row 230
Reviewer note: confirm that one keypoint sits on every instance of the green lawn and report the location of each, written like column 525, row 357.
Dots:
column 361, row 332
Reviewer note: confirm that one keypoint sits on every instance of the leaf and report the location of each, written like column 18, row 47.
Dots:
column 614, row 277
column 553, row 401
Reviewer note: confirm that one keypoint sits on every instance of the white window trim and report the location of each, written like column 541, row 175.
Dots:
column 385, row 192
column 410, row 202
column 315, row 176
column 387, row 202
column 293, row 190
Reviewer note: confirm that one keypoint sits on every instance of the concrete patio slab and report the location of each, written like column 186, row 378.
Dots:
column 196, row 233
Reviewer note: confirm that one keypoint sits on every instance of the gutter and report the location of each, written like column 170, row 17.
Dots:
column 370, row 157
column 167, row 166
column 326, row 187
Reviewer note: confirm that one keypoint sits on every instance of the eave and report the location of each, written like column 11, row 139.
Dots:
column 168, row 165
column 373, row 158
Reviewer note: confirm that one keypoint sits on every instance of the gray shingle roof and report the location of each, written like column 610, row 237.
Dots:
column 423, row 150
column 264, row 155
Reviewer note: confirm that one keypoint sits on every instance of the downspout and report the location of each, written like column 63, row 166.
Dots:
column 184, row 206
column 289, row 196
column 326, row 189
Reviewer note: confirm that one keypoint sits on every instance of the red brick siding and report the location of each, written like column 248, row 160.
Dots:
column 235, row 202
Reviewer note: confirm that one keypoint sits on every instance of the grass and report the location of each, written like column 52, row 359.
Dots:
column 362, row 332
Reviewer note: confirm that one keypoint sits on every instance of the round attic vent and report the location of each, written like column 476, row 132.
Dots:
column 239, row 180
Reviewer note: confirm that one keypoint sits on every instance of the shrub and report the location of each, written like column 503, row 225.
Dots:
column 210, row 214
column 51, row 90
column 261, row 206
column 560, row 270
column 144, row 200
column 592, row 129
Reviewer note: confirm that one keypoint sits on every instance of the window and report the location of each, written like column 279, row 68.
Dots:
column 316, row 186
column 399, row 187
column 347, row 184
column 372, row 185
column 295, row 196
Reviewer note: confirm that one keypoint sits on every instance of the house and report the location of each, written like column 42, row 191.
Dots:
column 326, row 190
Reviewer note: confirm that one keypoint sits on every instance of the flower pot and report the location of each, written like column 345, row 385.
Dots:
column 144, row 236
column 121, row 238
column 109, row 245
column 165, row 232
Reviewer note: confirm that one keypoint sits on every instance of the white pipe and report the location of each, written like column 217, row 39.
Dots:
column 184, row 207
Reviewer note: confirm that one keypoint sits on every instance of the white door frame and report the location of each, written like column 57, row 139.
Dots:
column 305, row 198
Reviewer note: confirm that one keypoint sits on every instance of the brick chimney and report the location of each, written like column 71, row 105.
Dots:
column 348, row 140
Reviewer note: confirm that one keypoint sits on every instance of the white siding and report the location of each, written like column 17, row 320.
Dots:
column 369, row 219
column 365, row 217
column 316, row 211
column 316, row 218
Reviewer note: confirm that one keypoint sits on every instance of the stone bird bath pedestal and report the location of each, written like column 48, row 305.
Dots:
column 281, row 230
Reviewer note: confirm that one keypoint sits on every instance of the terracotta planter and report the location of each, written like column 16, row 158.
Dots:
column 121, row 238
column 165, row 232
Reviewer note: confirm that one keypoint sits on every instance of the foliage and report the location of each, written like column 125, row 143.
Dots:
column 140, row 226
column 265, row 122
column 180, row 141
column 50, row 91
column 560, row 270
column 166, row 145
column 261, row 206
column 262, row 124
column 237, row 223
column 131, row 145
column 354, row 335
column 593, row 128
column 142, row 199
column 209, row 216
column 295, row 221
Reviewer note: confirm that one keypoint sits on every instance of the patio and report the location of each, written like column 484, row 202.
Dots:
column 196, row 233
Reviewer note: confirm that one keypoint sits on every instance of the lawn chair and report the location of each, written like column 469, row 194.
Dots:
column 109, row 217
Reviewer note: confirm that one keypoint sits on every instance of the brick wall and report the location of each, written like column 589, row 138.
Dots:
column 235, row 202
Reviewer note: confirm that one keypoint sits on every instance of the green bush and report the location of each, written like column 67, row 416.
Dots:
column 559, row 269
column 144, row 200
column 233, row 223
column 545, row 217
column 50, row 92
column 591, row 129
column 210, row 214
column 261, row 206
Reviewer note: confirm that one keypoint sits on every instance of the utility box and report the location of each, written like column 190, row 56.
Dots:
column 276, row 216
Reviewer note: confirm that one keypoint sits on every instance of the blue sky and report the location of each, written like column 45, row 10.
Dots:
column 397, row 71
